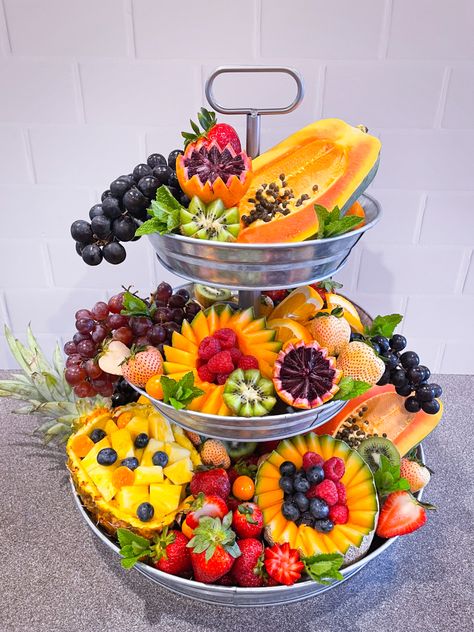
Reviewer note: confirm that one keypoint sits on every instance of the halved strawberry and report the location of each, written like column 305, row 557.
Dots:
column 283, row 564
column 206, row 505
column 401, row 514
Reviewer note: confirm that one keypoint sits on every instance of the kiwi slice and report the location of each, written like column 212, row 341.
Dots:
column 207, row 296
column 210, row 221
column 370, row 450
column 238, row 449
column 249, row 394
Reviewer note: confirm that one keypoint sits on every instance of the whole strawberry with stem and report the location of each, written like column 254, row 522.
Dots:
column 213, row 549
column 247, row 520
column 248, row 569
column 203, row 505
column 210, row 482
column 142, row 364
column 171, row 554
column 416, row 473
column 222, row 133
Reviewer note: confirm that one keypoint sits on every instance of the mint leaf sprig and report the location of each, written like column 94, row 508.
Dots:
column 324, row 568
column 387, row 478
column 133, row 548
column 333, row 223
column 349, row 388
column 133, row 305
column 165, row 210
column 384, row 325
column 179, row 394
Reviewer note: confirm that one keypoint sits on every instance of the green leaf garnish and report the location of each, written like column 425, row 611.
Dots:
column 387, row 478
column 134, row 306
column 179, row 394
column 384, row 325
column 133, row 547
column 324, row 568
column 165, row 209
column 349, row 388
column 333, row 223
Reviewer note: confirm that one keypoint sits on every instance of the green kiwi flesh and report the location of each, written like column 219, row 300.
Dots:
column 371, row 449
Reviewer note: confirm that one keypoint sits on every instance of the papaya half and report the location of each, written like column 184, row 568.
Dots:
column 381, row 411
column 328, row 162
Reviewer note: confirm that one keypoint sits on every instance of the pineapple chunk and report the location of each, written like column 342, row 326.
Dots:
column 136, row 425
column 159, row 427
column 111, row 427
column 91, row 458
column 130, row 496
column 164, row 498
column 180, row 472
column 175, row 452
column 122, row 443
column 145, row 475
column 101, row 475
column 184, row 442
column 152, row 447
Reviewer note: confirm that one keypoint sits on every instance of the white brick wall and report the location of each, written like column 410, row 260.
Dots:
column 88, row 89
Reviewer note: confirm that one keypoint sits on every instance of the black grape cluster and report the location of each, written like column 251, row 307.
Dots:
column 123, row 206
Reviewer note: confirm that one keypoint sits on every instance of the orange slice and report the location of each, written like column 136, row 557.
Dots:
column 288, row 329
column 350, row 312
column 300, row 305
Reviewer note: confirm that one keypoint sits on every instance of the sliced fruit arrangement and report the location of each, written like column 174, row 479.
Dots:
column 131, row 469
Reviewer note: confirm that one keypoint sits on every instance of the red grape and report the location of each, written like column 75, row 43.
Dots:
column 106, row 390
column 114, row 321
column 83, row 313
column 192, row 309
column 86, row 348
column 163, row 291
column 75, row 375
column 140, row 325
column 184, row 293
column 93, row 370
column 177, row 301
column 142, row 341
column 99, row 334
column 73, row 360
column 70, row 347
column 84, row 389
column 116, row 303
column 177, row 314
column 162, row 315
column 100, row 311
column 78, row 337
column 85, row 325
column 124, row 335
column 157, row 334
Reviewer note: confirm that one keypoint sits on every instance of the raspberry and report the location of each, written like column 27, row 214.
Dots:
column 339, row 514
column 208, row 348
column 221, row 363
column 334, row 468
column 204, row 374
column 221, row 378
column 248, row 362
column 235, row 354
column 226, row 337
column 326, row 491
column 341, row 492
column 312, row 458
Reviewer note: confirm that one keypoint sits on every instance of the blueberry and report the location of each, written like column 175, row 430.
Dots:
column 156, row 159
column 390, row 359
column 160, row 458
column 404, row 390
column 424, row 393
column 306, row 518
column 318, row 508
column 106, row 456
column 141, row 171
column 323, row 526
column 145, row 512
column 398, row 377
column 385, row 379
column 315, row 474
column 409, row 359
column 141, row 440
column 286, row 484
column 382, row 342
column 287, row 468
column 301, row 484
column 172, row 157
column 398, row 342
column 437, row 390
column 412, row 404
column 301, row 501
column 97, row 435
column 290, row 511
column 431, row 407
column 356, row 336
column 131, row 462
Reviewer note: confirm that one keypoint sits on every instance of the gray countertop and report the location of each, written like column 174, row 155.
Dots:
column 55, row 575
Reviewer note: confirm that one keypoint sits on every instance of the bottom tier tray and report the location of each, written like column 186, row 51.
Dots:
column 234, row 595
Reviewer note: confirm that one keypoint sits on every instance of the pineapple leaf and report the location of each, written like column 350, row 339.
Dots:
column 14, row 346
column 38, row 354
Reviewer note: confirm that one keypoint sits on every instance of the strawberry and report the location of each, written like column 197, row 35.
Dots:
column 276, row 295
column 325, row 287
column 225, row 134
column 213, row 549
column 401, row 514
column 171, row 554
column 222, row 133
column 417, row 474
column 283, row 564
column 247, row 520
column 205, row 506
column 142, row 364
column 248, row 568
column 210, row 482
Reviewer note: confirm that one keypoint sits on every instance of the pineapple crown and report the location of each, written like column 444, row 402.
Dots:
column 207, row 120
column 211, row 533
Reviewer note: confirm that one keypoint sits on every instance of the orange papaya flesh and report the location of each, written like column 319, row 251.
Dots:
column 341, row 159
column 382, row 412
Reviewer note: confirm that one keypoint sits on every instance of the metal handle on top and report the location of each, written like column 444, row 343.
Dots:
column 253, row 114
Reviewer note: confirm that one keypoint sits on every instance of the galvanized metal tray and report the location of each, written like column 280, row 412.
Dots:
column 236, row 596
column 260, row 266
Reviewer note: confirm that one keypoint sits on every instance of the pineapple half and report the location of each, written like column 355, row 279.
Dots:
column 115, row 506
